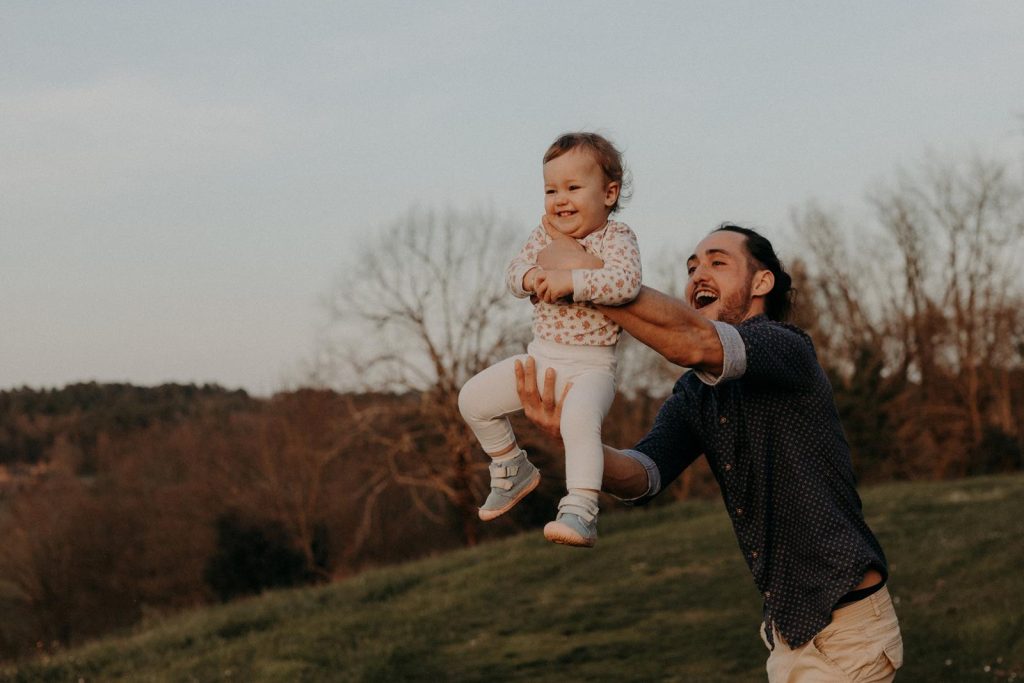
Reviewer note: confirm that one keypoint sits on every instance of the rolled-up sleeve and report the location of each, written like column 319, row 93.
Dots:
column 734, row 356
column 670, row 445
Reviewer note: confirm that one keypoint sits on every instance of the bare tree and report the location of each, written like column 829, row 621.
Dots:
column 967, row 222
column 419, row 310
column 933, row 311
column 308, row 445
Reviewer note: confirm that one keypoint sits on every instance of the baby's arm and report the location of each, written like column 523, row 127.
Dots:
column 618, row 282
column 523, row 269
column 553, row 285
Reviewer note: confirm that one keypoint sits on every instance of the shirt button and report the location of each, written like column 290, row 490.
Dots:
column 767, row 594
column 753, row 554
column 739, row 513
column 723, row 420
column 728, row 467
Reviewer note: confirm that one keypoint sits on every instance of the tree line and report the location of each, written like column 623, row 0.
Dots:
column 120, row 503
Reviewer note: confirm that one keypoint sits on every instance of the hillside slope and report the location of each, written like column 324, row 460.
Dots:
column 665, row 596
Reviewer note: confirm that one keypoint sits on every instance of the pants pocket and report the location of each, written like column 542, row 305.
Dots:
column 894, row 652
column 860, row 658
column 845, row 649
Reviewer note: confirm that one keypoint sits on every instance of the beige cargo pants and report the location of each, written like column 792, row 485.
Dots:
column 862, row 645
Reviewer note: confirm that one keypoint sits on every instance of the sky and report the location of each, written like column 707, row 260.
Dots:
column 182, row 183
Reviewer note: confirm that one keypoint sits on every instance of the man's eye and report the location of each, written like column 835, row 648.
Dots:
column 718, row 263
column 689, row 270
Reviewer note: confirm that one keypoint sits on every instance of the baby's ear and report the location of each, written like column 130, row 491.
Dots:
column 611, row 193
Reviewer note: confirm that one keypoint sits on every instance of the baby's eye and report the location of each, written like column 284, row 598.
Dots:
column 574, row 187
column 549, row 191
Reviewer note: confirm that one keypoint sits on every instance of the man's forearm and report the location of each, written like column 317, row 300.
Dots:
column 671, row 327
column 623, row 476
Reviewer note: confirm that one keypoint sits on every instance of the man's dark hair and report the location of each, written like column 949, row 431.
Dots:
column 777, row 302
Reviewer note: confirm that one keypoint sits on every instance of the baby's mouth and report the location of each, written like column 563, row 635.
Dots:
column 565, row 214
column 704, row 297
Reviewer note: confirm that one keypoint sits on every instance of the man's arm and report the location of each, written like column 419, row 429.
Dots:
column 671, row 327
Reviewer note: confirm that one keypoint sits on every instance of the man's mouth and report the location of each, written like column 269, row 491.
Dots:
column 704, row 297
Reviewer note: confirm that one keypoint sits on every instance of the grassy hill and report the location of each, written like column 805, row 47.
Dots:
column 665, row 596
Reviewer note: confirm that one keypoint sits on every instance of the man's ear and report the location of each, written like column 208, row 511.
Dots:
column 611, row 193
column 763, row 282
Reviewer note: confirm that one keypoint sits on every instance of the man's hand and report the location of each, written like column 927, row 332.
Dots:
column 552, row 285
column 564, row 252
column 540, row 408
column 623, row 476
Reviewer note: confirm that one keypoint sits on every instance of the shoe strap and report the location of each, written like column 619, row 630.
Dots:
column 503, row 484
column 502, row 474
column 584, row 508
column 502, row 471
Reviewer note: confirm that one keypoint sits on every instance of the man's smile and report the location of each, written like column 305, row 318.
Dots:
column 704, row 296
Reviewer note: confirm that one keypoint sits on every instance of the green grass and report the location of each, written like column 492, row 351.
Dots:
column 665, row 596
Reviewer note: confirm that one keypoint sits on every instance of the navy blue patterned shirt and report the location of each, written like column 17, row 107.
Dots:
column 769, row 428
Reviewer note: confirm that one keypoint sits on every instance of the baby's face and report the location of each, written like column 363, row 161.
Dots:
column 577, row 196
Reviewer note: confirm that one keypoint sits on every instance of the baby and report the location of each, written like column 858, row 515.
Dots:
column 583, row 181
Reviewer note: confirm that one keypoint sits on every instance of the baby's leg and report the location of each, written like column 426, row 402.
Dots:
column 583, row 411
column 486, row 399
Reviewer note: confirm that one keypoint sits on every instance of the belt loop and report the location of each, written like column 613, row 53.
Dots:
column 875, row 599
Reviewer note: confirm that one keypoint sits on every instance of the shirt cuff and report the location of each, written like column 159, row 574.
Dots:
column 515, row 282
column 734, row 356
column 653, row 477
column 579, row 287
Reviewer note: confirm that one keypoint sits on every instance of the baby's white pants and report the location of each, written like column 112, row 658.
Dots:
column 489, row 396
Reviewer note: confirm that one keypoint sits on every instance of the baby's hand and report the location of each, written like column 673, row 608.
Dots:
column 552, row 285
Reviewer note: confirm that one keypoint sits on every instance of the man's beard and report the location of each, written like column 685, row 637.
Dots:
column 734, row 309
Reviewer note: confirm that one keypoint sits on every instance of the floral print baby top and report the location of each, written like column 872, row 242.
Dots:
column 578, row 322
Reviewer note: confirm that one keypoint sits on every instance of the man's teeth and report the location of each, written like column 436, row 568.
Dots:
column 704, row 298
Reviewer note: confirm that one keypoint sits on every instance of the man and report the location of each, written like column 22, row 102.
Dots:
column 758, row 405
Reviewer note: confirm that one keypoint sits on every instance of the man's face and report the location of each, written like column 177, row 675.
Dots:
column 577, row 197
column 720, row 279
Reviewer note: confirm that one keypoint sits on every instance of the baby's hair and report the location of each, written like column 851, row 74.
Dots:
column 604, row 153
